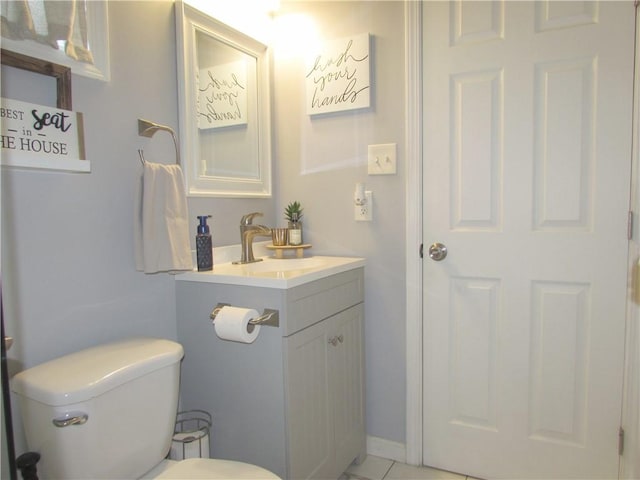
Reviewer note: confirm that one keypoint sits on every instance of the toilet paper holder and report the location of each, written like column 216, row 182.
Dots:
column 269, row 317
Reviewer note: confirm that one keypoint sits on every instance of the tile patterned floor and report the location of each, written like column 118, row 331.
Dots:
column 376, row 468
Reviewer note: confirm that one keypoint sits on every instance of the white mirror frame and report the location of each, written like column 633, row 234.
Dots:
column 188, row 22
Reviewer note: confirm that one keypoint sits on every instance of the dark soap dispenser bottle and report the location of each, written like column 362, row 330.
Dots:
column 204, row 249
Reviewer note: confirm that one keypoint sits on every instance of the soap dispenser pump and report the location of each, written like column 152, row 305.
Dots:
column 204, row 249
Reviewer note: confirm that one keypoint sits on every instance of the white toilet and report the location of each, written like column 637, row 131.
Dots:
column 108, row 412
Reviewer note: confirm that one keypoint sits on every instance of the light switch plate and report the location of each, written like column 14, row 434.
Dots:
column 382, row 159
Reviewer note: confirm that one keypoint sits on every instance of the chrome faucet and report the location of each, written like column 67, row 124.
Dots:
column 247, row 232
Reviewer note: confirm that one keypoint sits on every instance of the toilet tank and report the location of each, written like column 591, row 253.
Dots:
column 104, row 412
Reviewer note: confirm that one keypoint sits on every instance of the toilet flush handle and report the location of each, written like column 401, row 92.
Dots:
column 73, row 418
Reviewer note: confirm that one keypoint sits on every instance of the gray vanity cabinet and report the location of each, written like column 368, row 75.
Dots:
column 292, row 401
column 324, row 387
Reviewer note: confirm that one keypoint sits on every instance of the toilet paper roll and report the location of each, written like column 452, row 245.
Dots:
column 232, row 323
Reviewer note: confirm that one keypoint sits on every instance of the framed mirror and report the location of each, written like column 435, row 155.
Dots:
column 225, row 127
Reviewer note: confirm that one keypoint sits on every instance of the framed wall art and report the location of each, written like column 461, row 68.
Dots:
column 339, row 77
column 40, row 136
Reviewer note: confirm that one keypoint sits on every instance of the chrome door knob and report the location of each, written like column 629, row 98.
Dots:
column 438, row 252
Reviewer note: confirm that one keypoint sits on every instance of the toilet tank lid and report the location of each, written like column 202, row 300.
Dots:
column 86, row 374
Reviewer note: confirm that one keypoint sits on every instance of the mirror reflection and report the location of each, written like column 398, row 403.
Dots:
column 227, row 109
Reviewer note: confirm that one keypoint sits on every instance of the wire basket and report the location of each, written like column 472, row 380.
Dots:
column 191, row 435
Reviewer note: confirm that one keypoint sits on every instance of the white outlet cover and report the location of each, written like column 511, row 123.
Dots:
column 382, row 159
column 364, row 213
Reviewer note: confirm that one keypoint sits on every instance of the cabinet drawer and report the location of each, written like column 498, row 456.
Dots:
column 313, row 302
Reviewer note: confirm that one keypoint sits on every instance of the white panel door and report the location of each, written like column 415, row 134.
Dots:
column 527, row 148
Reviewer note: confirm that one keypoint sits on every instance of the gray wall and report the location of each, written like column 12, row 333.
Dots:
column 68, row 273
column 320, row 159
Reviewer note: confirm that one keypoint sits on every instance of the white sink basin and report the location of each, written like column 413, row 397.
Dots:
column 274, row 265
column 275, row 272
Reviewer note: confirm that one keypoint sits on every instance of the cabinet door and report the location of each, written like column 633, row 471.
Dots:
column 308, row 409
column 325, row 388
column 346, row 386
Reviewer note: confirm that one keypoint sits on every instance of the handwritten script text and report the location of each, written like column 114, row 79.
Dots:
column 338, row 79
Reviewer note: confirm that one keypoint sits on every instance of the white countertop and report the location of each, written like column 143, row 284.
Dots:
column 270, row 272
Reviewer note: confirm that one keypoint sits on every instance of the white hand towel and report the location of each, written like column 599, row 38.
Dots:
column 161, row 228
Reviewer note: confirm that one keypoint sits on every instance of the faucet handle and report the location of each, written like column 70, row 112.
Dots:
column 248, row 218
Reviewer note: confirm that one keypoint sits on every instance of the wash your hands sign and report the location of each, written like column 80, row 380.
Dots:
column 338, row 78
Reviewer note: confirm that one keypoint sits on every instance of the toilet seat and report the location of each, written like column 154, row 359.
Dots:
column 212, row 469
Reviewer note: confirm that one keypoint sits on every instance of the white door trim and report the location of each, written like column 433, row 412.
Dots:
column 413, row 233
column 630, row 462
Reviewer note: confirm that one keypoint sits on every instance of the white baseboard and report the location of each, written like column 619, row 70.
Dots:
column 383, row 448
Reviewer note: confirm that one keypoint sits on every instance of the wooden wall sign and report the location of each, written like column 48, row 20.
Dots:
column 39, row 136
column 60, row 73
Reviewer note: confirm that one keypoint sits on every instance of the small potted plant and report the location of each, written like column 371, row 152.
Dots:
column 293, row 214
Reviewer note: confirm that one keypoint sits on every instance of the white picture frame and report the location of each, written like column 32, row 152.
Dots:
column 98, row 36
